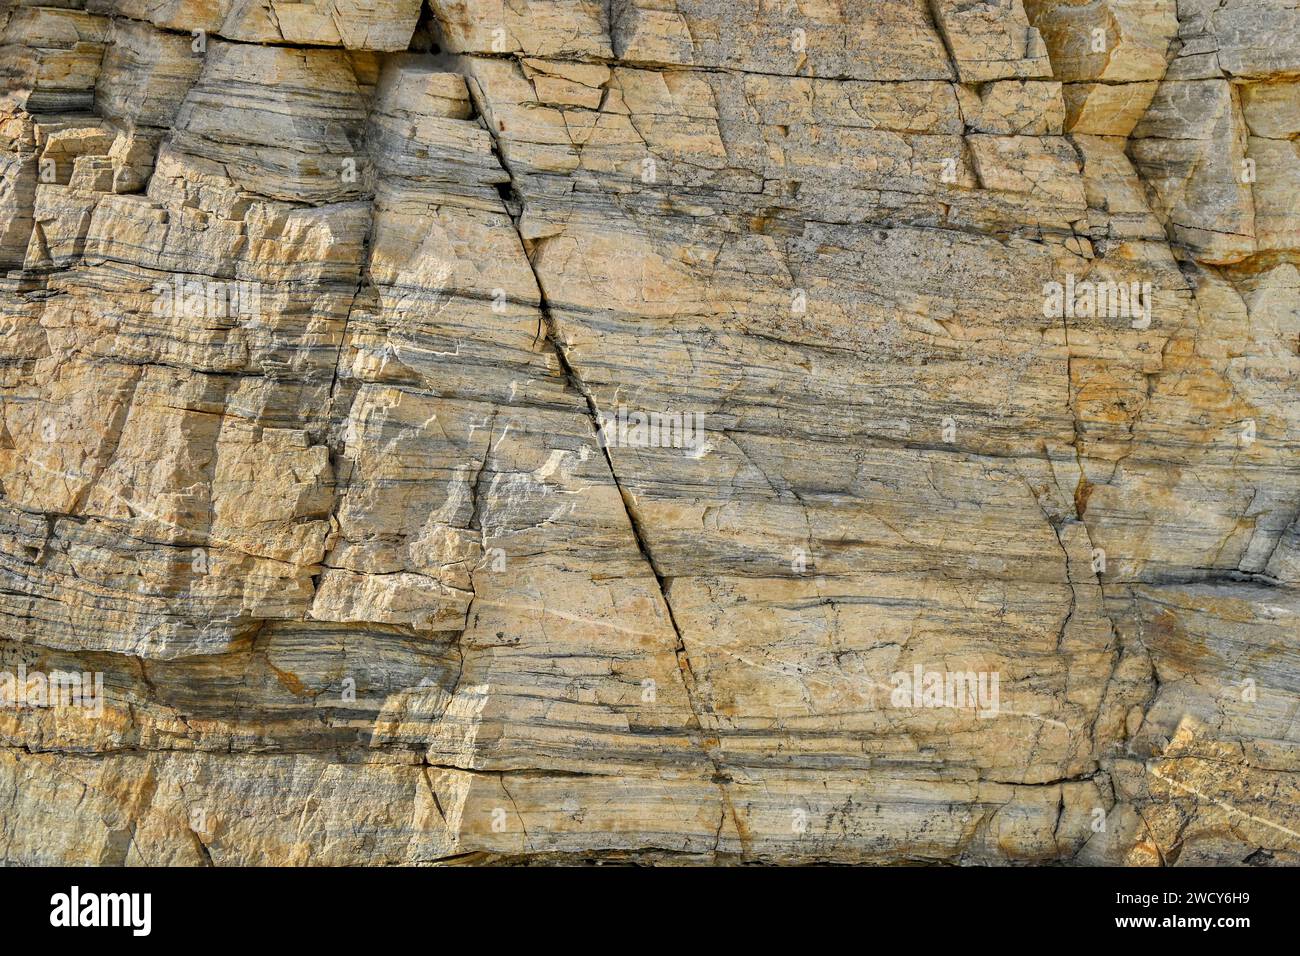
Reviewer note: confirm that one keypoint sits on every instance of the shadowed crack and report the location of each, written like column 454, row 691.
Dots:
column 707, row 742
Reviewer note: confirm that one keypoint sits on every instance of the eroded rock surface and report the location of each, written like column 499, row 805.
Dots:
column 561, row 430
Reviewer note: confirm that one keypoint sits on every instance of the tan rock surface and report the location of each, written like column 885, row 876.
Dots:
column 552, row 430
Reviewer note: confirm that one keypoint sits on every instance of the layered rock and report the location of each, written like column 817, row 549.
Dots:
column 506, row 432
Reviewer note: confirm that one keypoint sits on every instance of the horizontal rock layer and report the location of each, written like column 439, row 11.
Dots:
column 565, row 431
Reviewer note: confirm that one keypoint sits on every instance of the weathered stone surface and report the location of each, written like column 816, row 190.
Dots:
column 555, row 430
column 50, row 55
column 351, row 24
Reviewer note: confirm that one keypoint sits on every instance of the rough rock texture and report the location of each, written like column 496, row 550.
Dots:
column 362, row 581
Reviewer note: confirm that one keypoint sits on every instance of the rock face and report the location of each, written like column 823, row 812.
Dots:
column 555, row 430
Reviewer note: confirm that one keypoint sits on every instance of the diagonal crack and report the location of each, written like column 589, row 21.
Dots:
column 706, row 741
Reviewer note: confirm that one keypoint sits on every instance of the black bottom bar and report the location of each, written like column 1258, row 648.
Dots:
column 340, row 907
